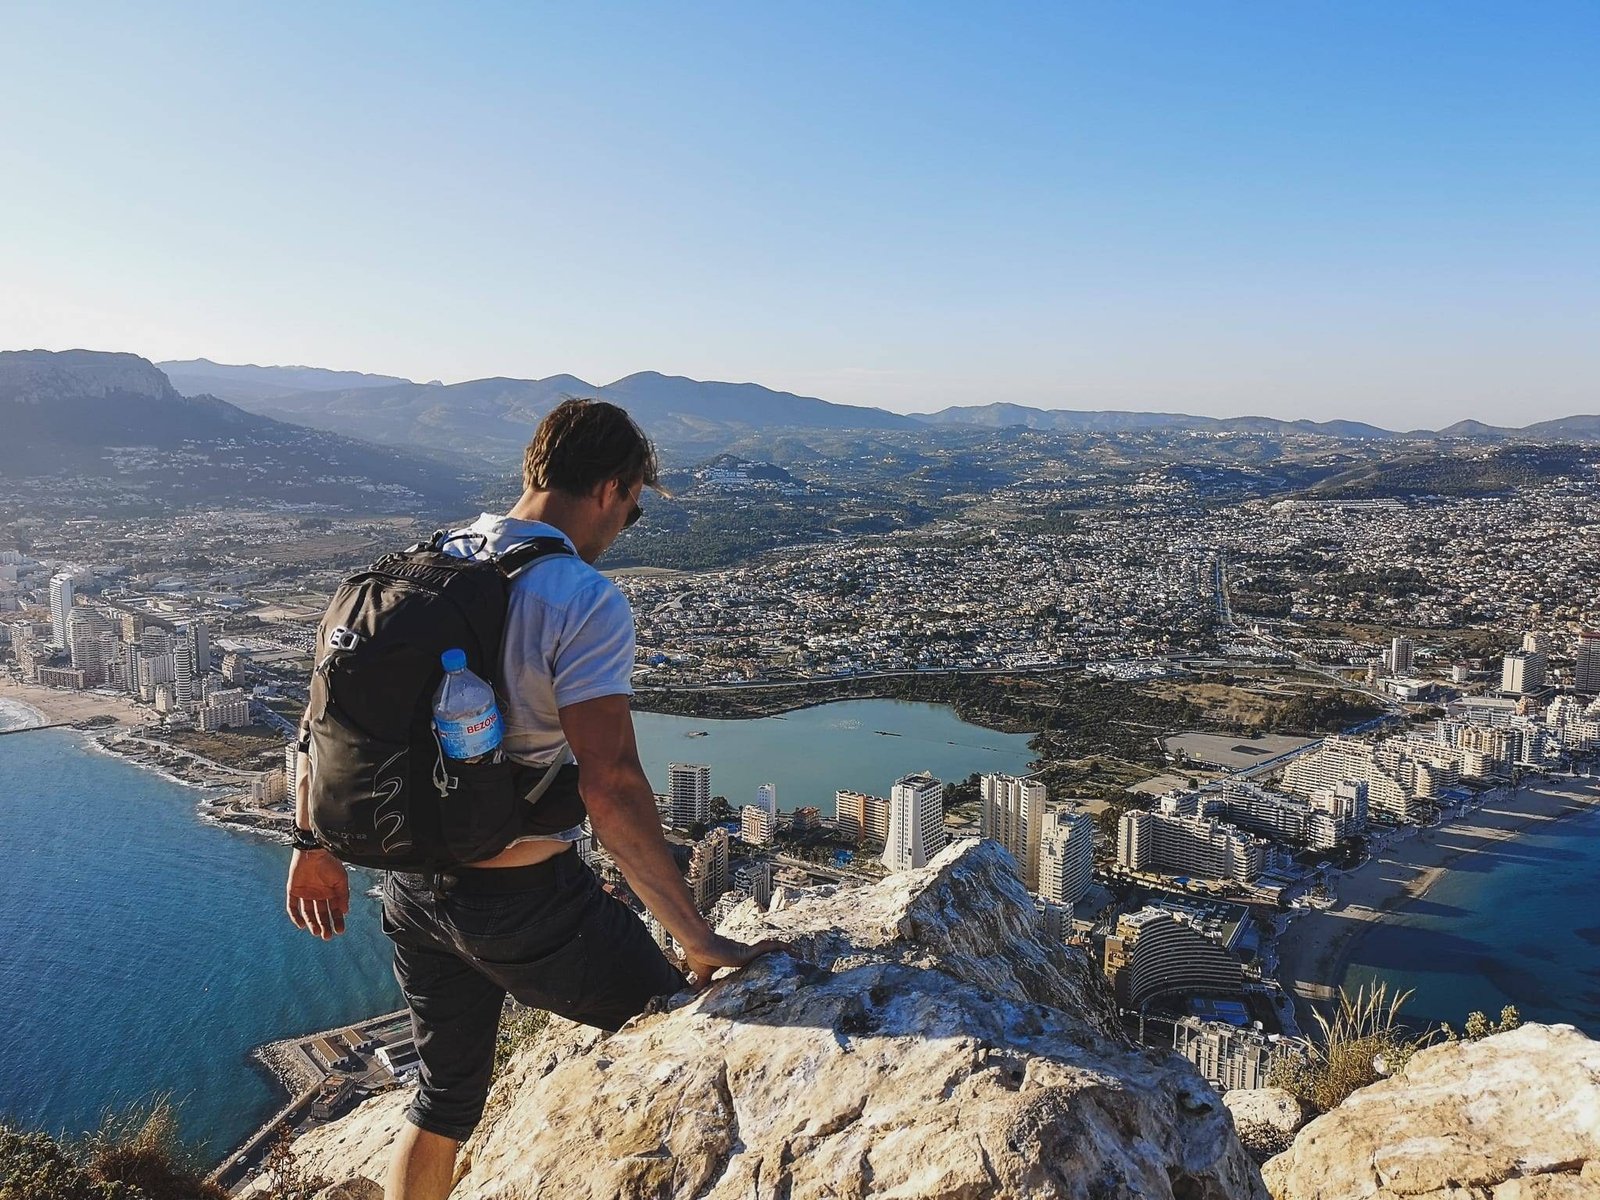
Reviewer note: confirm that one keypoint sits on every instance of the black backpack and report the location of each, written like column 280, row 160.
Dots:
column 382, row 792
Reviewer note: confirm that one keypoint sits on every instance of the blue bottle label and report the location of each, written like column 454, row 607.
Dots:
column 468, row 739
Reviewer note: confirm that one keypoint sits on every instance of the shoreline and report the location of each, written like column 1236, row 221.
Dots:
column 59, row 704
column 1315, row 951
column 218, row 802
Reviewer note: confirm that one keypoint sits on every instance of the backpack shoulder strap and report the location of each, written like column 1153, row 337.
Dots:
column 525, row 554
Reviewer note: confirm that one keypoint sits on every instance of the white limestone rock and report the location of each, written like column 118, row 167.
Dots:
column 1266, row 1118
column 929, row 1044
column 1515, row 1116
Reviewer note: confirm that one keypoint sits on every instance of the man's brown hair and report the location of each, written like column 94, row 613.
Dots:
column 583, row 443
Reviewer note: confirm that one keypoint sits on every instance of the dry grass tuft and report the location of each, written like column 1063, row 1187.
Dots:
column 1363, row 1043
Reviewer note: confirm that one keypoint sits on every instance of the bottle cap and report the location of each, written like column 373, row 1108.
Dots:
column 454, row 660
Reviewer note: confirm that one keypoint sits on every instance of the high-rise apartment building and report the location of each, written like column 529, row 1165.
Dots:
column 1066, row 855
column 1400, row 775
column 1586, row 665
column 1321, row 819
column 757, row 826
column 1522, row 672
column 227, row 708
column 1012, row 813
column 1228, row 1057
column 60, row 608
column 767, row 800
column 708, row 868
column 863, row 817
column 916, row 822
column 689, row 793
column 1168, row 842
column 1400, row 652
column 87, row 631
column 200, row 635
column 1152, row 951
column 185, row 687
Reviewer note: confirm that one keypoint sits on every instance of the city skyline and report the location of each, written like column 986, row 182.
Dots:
column 1363, row 213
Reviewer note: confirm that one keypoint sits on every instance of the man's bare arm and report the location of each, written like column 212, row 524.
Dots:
column 318, row 892
column 622, row 810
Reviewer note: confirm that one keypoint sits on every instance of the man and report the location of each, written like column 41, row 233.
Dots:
column 532, row 921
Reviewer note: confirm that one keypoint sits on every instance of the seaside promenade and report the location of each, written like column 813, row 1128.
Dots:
column 1315, row 951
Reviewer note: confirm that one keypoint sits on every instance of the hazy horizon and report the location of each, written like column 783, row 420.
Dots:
column 1327, row 212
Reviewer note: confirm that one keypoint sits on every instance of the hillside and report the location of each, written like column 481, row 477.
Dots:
column 100, row 424
column 1481, row 473
column 492, row 418
column 240, row 383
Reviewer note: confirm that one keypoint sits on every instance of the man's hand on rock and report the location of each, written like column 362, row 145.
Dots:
column 703, row 961
column 319, row 893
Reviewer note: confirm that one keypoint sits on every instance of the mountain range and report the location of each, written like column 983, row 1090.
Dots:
column 490, row 418
column 96, row 420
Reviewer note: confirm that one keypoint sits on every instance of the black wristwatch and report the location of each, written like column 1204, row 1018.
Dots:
column 304, row 839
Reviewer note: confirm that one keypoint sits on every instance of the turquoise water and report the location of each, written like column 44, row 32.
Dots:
column 1520, row 926
column 814, row 752
column 144, row 951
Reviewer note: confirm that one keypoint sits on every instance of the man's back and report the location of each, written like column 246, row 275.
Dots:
column 569, row 636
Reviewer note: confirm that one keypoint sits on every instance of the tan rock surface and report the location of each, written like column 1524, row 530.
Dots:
column 1512, row 1117
column 930, row 1043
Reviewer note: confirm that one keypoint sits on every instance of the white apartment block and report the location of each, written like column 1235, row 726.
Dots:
column 1012, row 813
column 916, row 822
column 1229, row 1058
column 1522, row 671
column 767, row 800
column 1320, row 820
column 60, row 607
column 689, row 792
column 1066, row 856
column 224, row 710
column 1575, row 727
column 1169, row 843
column 1397, row 786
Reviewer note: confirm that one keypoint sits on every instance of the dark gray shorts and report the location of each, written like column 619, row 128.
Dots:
column 547, row 935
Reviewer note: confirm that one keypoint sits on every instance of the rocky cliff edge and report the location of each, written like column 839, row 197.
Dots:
column 927, row 1040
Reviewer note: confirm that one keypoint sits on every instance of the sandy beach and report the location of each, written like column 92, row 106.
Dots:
column 1314, row 950
column 58, row 705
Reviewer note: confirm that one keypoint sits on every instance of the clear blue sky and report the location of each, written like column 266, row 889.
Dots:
column 1383, row 211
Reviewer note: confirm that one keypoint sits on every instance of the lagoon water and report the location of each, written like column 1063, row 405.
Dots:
column 1520, row 926
column 859, row 745
column 144, row 951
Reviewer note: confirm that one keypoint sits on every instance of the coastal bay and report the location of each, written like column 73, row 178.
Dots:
column 1390, row 921
column 147, row 953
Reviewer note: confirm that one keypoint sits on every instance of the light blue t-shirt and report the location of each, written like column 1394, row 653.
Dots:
column 569, row 637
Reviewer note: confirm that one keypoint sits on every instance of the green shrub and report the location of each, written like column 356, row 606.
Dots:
column 1479, row 1026
column 34, row 1167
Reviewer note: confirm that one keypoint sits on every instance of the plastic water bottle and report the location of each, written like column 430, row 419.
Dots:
column 464, row 712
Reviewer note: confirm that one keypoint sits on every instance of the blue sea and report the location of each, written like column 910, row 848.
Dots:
column 1520, row 926
column 145, row 952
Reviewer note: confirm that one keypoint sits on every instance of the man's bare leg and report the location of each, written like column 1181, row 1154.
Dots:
column 423, row 1167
